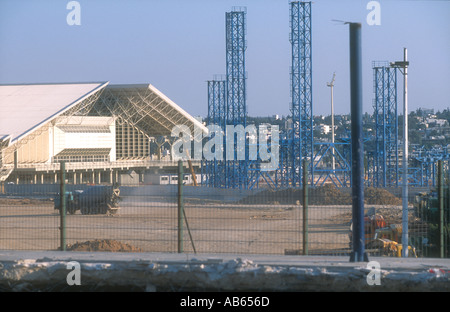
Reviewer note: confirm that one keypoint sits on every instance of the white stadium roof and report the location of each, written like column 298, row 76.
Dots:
column 26, row 107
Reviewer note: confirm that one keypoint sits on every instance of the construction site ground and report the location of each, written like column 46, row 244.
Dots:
column 152, row 227
column 253, row 244
column 269, row 222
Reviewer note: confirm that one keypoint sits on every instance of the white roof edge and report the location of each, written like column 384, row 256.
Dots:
column 39, row 125
column 5, row 137
column 178, row 108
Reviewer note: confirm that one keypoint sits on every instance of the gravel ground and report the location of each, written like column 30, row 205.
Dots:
column 152, row 226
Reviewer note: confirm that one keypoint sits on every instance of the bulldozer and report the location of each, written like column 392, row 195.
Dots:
column 381, row 238
column 97, row 199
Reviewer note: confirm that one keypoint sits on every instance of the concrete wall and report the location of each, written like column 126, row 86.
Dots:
column 35, row 150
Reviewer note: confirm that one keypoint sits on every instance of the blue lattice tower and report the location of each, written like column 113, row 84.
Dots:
column 392, row 148
column 385, row 156
column 236, row 171
column 213, row 170
column 301, row 91
column 425, row 160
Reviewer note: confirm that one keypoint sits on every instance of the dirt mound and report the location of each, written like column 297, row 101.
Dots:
column 322, row 195
column 103, row 245
column 379, row 196
column 328, row 194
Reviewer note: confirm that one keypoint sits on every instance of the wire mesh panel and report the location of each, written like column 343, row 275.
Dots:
column 28, row 220
column 147, row 218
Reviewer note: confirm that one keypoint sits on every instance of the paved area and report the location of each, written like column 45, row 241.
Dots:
column 173, row 272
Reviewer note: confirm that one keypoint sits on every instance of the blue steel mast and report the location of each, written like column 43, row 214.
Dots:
column 213, row 170
column 386, row 168
column 236, row 45
column 301, row 91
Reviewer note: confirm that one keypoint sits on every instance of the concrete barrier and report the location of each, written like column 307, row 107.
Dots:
column 104, row 271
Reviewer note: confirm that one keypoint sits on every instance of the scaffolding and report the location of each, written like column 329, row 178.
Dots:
column 227, row 108
column 423, row 171
column 298, row 142
column 213, row 170
column 236, row 45
column 385, row 171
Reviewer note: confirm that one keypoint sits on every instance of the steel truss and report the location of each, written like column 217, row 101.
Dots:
column 213, row 171
column 341, row 175
column 236, row 170
column 141, row 108
column 385, row 171
column 424, row 165
column 301, row 135
column 147, row 111
column 297, row 143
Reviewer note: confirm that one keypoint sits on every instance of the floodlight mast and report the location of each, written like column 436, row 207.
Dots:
column 404, row 65
column 331, row 85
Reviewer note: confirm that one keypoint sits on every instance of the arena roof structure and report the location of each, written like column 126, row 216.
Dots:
column 25, row 108
column 145, row 107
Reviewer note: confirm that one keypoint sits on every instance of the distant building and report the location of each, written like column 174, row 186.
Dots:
column 324, row 129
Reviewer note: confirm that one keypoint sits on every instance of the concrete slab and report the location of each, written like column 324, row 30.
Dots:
column 105, row 271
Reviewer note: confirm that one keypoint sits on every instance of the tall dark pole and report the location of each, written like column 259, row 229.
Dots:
column 358, row 252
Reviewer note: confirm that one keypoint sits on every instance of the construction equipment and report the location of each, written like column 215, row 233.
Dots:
column 97, row 199
column 382, row 238
column 433, row 211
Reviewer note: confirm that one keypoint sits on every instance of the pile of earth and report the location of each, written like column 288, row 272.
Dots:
column 328, row 194
column 103, row 245
column 379, row 196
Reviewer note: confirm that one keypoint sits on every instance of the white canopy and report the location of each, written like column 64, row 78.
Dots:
column 26, row 107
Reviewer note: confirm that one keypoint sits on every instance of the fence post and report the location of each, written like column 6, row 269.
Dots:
column 305, row 207
column 180, row 206
column 441, row 208
column 62, row 207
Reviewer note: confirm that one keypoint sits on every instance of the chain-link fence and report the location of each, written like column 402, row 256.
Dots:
column 160, row 218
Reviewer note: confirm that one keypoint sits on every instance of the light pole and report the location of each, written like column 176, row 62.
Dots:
column 331, row 85
column 358, row 241
column 404, row 65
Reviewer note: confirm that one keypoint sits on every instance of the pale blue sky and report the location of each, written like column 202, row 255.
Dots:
column 178, row 45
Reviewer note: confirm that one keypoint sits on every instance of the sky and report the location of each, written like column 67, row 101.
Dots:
column 178, row 45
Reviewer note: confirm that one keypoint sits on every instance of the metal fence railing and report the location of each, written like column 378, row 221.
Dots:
column 158, row 218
